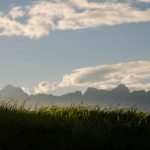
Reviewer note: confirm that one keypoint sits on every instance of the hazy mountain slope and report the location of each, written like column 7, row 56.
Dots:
column 119, row 95
column 15, row 93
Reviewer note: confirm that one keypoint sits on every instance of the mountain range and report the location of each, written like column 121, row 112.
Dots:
column 118, row 96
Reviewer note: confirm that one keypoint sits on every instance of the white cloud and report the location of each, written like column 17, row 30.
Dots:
column 16, row 12
column 44, row 87
column 131, row 74
column 67, row 14
column 10, row 27
column 29, row 91
column 140, row 86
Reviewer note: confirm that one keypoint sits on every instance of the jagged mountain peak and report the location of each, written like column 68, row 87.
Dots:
column 76, row 93
column 11, row 87
column 13, row 92
column 91, row 90
column 93, row 96
column 121, row 88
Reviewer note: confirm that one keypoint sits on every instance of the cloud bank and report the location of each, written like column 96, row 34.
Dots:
column 135, row 75
column 38, row 19
column 132, row 74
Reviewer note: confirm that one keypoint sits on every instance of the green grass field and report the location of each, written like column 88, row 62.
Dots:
column 72, row 128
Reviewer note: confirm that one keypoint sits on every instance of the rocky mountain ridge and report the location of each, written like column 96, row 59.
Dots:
column 92, row 96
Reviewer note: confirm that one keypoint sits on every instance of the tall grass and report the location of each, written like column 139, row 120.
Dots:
column 72, row 128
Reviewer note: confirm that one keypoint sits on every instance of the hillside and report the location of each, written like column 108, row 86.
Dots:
column 73, row 128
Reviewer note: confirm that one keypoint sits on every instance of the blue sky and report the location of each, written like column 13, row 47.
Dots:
column 39, row 62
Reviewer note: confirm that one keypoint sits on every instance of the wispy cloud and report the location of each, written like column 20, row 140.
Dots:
column 68, row 15
column 135, row 75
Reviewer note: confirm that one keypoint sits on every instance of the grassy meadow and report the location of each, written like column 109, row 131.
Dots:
column 72, row 128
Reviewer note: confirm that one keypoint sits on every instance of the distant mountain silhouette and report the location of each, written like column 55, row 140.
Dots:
column 92, row 96
column 121, row 88
column 15, row 93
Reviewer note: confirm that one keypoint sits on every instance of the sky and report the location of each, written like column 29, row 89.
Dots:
column 59, row 46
